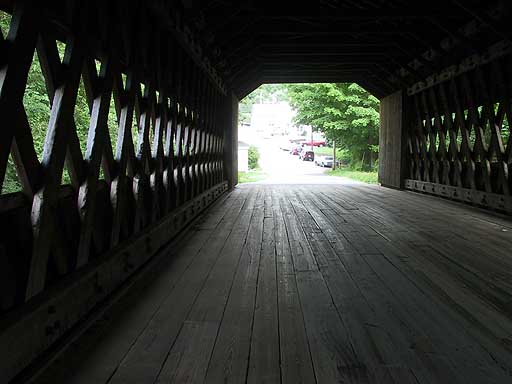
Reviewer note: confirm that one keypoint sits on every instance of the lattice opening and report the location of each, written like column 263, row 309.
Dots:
column 165, row 104
column 487, row 134
column 466, row 114
column 135, row 128
column 458, row 137
column 186, row 130
column 505, row 133
column 124, row 80
column 12, row 182
column 37, row 105
column 427, row 144
column 97, row 65
column 472, row 138
column 113, row 121
column 61, row 49
column 447, row 143
column 173, row 136
column 151, row 134
column 5, row 23
column 82, row 115
column 110, row 144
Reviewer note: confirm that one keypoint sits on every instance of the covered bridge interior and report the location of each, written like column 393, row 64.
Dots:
column 151, row 265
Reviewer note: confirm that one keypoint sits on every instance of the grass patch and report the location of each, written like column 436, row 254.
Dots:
column 365, row 177
column 251, row 176
column 325, row 151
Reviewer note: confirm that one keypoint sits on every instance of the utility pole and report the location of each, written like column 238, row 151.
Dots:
column 333, row 154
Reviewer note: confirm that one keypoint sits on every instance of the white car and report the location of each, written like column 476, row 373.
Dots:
column 326, row 161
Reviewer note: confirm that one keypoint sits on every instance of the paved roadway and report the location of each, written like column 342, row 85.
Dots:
column 283, row 168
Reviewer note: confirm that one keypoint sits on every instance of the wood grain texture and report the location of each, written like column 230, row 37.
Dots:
column 379, row 302
column 146, row 170
column 391, row 143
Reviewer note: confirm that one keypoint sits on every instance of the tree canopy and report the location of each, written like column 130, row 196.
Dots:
column 37, row 108
column 344, row 112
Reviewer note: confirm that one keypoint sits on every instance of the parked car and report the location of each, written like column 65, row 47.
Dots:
column 327, row 161
column 314, row 143
column 295, row 151
column 307, row 156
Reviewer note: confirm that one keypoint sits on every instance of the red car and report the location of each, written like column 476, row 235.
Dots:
column 314, row 143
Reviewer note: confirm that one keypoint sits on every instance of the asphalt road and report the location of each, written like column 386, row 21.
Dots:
column 283, row 168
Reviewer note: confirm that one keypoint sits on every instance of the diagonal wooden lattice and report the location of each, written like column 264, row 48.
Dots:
column 459, row 137
column 122, row 183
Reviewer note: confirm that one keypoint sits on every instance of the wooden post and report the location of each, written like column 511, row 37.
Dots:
column 392, row 141
column 231, row 140
column 333, row 155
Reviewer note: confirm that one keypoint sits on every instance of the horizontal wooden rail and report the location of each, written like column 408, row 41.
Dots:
column 480, row 198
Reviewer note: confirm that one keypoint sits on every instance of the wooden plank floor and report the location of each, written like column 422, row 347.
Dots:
column 305, row 284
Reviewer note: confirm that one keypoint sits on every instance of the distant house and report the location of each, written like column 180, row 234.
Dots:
column 269, row 120
column 243, row 156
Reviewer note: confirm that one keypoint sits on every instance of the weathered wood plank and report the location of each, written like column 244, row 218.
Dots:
column 188, row 360
column 147, row 355
column 232, row 346
column 408, row 311
column 296, row 365
column 332, row 352
column 264, row 357
column 96, row 358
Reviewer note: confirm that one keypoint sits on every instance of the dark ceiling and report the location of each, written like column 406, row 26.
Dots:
column 383, row 45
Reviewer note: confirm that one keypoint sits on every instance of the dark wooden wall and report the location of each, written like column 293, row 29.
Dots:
column 391, row 160
column 66, row 248
column 459, row 136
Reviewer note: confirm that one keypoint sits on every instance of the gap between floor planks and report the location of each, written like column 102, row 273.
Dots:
column 325, row 284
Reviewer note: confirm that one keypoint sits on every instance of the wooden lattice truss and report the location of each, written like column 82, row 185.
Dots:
column 459, row 137
column 118, row 187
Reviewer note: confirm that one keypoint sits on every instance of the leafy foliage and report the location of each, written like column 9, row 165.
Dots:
column 37, row 107
column 344, row 112
column 254, row 157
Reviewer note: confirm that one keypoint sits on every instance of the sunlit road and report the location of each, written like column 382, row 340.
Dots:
column 283, row 168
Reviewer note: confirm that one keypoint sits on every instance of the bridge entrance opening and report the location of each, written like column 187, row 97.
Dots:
column 131, row 251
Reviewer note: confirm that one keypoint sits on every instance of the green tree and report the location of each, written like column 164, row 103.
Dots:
column 37, row 107
column 344, row 112
column 254, row 157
